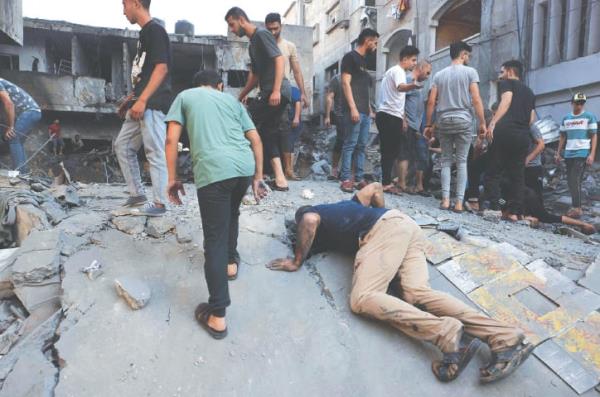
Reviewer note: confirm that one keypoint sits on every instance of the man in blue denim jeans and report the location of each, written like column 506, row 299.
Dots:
column 455, row 90
column 144, row 111
column 21, row 114
column 356, row 84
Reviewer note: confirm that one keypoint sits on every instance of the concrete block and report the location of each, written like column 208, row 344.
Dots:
column 135, row 292
column 184, row 233
column 29, row 218
column 35, row 267
column 84, row 223
column 130, row 224
column 32, row 375
column 42, row 240
column 159, row 226
column 35, row 296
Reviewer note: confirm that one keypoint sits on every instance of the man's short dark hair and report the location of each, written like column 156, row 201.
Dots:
column 515, row 66
column 409, row 51
column 366, row 34
column 273, row 17
column 207, row 77
column 458, row 47
column 145, row 4
column 236, row 13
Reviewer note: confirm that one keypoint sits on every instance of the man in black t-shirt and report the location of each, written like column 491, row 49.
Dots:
column 509, row 133
column 356, row 84
column 267, row 71
column 389, row 247
column 144, row 111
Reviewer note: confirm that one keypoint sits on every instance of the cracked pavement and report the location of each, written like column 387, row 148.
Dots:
column 290, row 334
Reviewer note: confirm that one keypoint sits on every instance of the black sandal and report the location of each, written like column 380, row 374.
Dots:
column 202, row 314
column 512, row 358
column 273, row 185
column 468, row 348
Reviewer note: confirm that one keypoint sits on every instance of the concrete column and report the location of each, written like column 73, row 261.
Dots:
column 574, row 26
column 75, row 56
column 554, row 31
column 537, row 40
column 127, row 67
column 593, row 42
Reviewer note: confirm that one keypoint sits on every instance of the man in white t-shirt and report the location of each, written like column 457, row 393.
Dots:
column 391, row 120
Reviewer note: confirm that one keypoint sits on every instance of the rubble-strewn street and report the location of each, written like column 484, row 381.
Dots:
column 72, row 334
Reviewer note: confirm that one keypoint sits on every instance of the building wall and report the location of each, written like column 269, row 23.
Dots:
column 11, row 22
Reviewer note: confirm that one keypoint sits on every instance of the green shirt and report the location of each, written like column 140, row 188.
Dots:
column 216, row 124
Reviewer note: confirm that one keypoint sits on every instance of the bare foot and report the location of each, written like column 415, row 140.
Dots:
column 217, row 323
column 445, row 204
column 232, row 269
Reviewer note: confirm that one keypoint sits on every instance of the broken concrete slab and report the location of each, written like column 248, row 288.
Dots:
column 10, row 336
column 159, row 226
column 43, row 240
column 72, row 244
column 83, row 223
column 35, row 267
column 29, row 218
column 32, row 375
column 130, row 224
column 35, row 296
column 591, row 280
column 135, row 292
column 34, row 341
column 6, row 260
column 184, row 233
column 54, row 211
column 66, row 194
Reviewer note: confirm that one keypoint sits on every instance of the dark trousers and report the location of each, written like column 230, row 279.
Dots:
column 534, row 179
column 273, row 125
column 220, row 211
column 476, row 167
column 390, row 139
column 534, row 206
column 575, row 171
column 338, row 121
column 507, row 157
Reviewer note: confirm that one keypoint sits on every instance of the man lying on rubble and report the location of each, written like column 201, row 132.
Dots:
column 387, row 244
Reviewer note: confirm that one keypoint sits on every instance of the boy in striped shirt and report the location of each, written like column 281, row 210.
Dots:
column 578, row 139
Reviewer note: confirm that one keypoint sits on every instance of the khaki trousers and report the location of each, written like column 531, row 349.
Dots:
column 394, row 246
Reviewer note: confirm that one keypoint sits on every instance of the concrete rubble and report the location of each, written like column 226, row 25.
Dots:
column 135, row 292
column 68, row 291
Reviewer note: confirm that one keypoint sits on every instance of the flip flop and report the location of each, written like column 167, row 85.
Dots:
column 512, row 358
column 273, row 185
column 461, row 358
column 394, row 191
column 202, row 314
column 423, row 193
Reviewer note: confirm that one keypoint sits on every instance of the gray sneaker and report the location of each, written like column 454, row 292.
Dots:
column 150, row 209
column 135, row 201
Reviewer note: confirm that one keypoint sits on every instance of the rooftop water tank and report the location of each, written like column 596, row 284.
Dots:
column 185, row 28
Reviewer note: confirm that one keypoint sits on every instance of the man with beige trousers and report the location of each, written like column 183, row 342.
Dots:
column 389, row 246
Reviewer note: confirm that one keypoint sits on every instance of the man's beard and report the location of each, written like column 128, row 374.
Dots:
column 277, row 35
column 241, row 32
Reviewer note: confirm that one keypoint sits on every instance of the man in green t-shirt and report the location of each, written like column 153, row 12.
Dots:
column 226, row 152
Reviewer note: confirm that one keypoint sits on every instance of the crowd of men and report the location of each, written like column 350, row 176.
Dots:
column 232, row 140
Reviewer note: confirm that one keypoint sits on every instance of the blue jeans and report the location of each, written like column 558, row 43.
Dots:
column 25, row 122
column 151, row 132
column 355, row 143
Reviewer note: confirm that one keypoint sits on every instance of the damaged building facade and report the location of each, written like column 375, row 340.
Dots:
column 78, row 73
column 558, row 40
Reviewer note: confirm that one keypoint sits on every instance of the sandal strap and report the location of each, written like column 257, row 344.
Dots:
column 451, row 358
